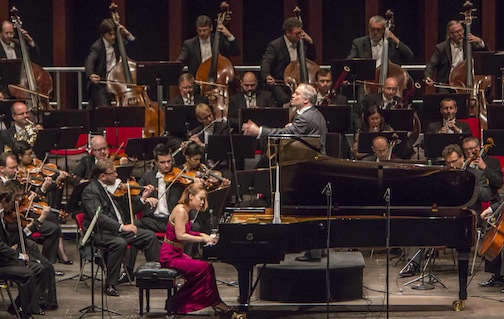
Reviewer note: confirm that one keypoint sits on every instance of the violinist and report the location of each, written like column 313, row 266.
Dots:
column 450, row 53
column 489, row 165
column 22, row 128
column 280, row 53
column 449, row 123
column 193, row 165
column 249, row 97
column 103, row 56
column 116, row 229
column 324, row 85
column 495, row 267
column 159, row 205
column 13, row 264
column 199, row 48
column 10, row 48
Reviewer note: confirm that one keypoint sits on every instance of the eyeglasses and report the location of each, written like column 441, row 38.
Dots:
column 376, row 29
column 457, row 32
column 103, row 149
column 204, row 117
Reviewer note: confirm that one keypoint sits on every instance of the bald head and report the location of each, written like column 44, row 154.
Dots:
column 390, row 88
column 99, row 146
column 380, row 148
column 249, row 82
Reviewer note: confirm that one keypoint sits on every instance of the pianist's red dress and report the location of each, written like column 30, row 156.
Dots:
column 200, row 289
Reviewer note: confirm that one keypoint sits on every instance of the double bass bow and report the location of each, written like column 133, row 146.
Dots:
column 121, row 80
column 36, row 83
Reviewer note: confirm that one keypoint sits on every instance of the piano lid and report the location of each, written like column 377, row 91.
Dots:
column 358, row 183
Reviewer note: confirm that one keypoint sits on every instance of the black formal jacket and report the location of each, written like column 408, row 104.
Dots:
column 375, row 99
column 172, row 196
column 441, row 60
column 7, row 138
column 237, row 101
column 198, row 98
column 85, row 168
column 277, row 58
column 361, row 48
column 436, row 126
column 191, row 51
column 8, row 256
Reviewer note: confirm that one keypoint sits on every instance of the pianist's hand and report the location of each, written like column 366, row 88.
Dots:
column 208, row 240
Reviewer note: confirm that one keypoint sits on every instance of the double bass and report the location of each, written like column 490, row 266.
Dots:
column 36, row 83
column 463, row 80
column 302, row 70
column 121, row 80
column 215, row 73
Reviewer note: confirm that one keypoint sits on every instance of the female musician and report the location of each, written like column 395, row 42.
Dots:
column 200, row 290
column 48, row 188
column 103, row 55
column 372, row 121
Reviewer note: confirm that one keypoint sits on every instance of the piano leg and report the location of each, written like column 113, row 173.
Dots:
column 244, row 282
column 463, row 271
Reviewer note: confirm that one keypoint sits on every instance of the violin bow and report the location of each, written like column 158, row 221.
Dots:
column 20, row 230
column 173, row 182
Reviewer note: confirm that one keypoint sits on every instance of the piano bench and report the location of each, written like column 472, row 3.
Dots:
column 150, row 275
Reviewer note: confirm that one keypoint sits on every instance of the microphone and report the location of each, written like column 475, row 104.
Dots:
column 327, row 189
column 91, row 227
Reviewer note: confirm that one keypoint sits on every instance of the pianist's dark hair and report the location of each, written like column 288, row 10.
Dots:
column 161, row 150
column 193, row 189
column 452, row 148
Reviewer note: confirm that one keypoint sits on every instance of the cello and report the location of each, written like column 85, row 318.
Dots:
column 494, row 238
column 302, row 70
column 215, row 73
column 463, row 80
column 121, row 80
column 36, row 83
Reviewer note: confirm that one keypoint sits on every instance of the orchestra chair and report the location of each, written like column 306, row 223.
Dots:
column 5, row 284
column 149, row 276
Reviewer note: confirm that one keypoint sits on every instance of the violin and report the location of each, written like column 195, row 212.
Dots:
column 122, row 189
column 48, row 169
column 38, row 207
column 35, row 179
column 176, row 175
column 11, row 218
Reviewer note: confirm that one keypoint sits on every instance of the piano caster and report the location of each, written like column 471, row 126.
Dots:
column 458, row 305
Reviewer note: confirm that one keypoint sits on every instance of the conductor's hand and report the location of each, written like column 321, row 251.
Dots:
column 130, row 228
column 250, row 128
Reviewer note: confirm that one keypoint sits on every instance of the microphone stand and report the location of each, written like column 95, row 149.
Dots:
column 328, row 192
column 386, row 196
column 232, row 164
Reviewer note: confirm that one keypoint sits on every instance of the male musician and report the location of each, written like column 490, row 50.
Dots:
column 20, row 115
column 449, row 124
column 450, row 53
column 208, row 125
column 489, row 165
column 495, row 267
column 280, row 53
column 115, row 230
column 10, row 48
column 308, row 120
column 380, row 147
column 103, row 56
column 159, row 204
column 387, row 99
column 187, row 95
column 250, row 97
column 324, row 86
column 199, row 48
column 371, row 45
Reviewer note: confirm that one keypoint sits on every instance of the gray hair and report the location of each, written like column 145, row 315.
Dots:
column 309, row 92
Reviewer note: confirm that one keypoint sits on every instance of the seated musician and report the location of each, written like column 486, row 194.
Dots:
column 249, row 97
column 187, row 95
column 46, row 277
column 99, row 150
column 115, row 229
column 103, row 56
column 372, row 121
column 454, row 158
column 324, row 81
column 200, row 289
column 159, row 205
column 380, row 147
column 13, row 265
column 50, row 188
column 495, row 266
column 387, row 99
column 449, row 123
column 22, row 128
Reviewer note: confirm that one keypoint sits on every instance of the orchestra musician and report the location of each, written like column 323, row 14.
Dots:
column 387, row 99
column 372, row 121
column 324, row 80
column 450, row 53
column 280, row 53
column 22, row 125
column 116, row 229
column 199, row 48
column 495, row 267
column 10, row 49
column 380, row 147
column 449, row 123
column 187, row 94
column 103, row 56
column 200, row 290
column 205, row 116
column 249, row 97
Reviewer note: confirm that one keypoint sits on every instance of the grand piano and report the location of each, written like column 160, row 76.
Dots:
column 427, row 208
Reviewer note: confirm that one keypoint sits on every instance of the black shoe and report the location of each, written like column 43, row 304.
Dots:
column 123, row 277
column 59, row 273
column 12, row 310
column 307, row 259
column 494, row 281
column 112, row 291
column 410, row 270
column 65, row 262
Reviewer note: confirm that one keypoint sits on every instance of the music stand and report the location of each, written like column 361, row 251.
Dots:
column 432, row 102
column 124, row 116
column 124, row 172
column 142, row 148
column 360, row 69
column 366, row 140
column 498, row 137
column 490, row 63
column 265, row 116
column 495, row 115
column 180, row 119
column 219, row 147
column 10, row 72
column 159, row 74
column 399, row 119
column 434, row 143
column 338, row 118
column 68, row 118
